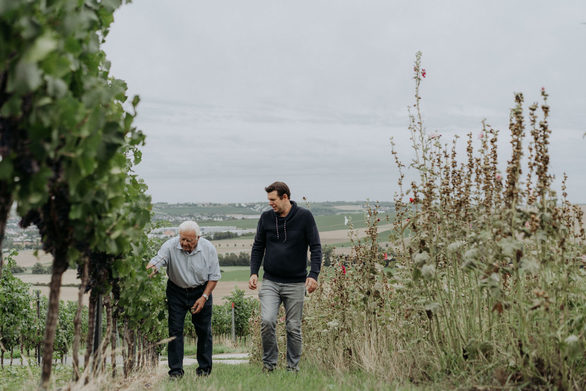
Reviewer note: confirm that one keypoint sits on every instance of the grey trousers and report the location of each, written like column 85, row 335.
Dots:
column 271, row 295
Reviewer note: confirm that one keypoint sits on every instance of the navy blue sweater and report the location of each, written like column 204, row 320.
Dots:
column 283, row 241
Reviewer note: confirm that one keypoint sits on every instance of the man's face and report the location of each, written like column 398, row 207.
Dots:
column 278, row 204
column 188, row 240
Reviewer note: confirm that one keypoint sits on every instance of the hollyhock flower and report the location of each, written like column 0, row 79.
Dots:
column 527, row 225
column 481, row 135
column 498, row 177
column 343, row 269
column 423, row 73
column 411, row 199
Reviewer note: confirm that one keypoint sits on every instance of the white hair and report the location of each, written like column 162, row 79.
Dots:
column 190, row 226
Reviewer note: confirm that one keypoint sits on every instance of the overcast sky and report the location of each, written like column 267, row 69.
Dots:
column 236, row 94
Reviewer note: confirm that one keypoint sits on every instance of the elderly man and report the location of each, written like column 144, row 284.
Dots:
column 283, row 236
column 193, row 270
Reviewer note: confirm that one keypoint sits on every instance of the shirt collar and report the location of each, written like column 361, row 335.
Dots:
column 194, row 251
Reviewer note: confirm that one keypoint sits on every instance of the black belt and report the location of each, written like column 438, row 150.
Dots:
column 191, row 289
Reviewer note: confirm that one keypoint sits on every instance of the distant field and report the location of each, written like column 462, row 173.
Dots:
column 209, row 209
column 232, row 276
column 236, row 273
column 27, row 258
column 255, row 208
column 69, row 277
column 338, row 237
column 223, row 289
column 324, row 223
column 226, row 246
column 238, row 223
column 66, row 294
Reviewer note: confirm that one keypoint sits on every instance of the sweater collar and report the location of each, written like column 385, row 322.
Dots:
column 292, row 211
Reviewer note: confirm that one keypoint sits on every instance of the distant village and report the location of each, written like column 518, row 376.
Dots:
column 166, row 217
column 18, row 238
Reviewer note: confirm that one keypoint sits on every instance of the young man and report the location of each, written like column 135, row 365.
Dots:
column 282, row 237
column 193, row 270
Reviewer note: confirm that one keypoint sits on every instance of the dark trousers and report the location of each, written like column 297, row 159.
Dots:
column 179, row 301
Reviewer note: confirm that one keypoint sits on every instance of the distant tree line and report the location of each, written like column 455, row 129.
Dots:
column 231, row 259
column 223, row 235
column 38, row 268
column 15, row 269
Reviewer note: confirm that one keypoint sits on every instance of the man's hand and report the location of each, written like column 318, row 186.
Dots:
column 155, row 271
column 198, row 305
column 252, row 282
column 310, row 284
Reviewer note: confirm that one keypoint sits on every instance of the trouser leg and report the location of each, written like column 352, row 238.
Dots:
column 293, row 295
column 177, row 310
column 202, row 322
column 269, row 308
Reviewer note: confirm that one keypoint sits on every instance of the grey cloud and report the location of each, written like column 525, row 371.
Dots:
column 311, row 90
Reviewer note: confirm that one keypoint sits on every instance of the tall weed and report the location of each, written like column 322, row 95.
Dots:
column 489, row 286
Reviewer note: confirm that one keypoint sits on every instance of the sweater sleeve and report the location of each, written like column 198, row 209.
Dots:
column 314, row 247
column 258, row 248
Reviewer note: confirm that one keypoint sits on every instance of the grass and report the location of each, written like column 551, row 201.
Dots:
column 250, row 377
column 223, row 377
column 336, row 222
column 13, row 378
column 222, row 344
column 237, row 273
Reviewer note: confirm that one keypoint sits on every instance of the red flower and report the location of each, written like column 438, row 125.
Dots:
column 423, row 73
column 411, row 200
column 343, row 269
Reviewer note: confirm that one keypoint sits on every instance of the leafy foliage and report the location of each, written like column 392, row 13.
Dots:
column 68, row 145
column 244, row 308
column 16, row 317
column 38, row 268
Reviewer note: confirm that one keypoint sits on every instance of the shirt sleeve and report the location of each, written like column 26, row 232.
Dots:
column 162, row 257
column 214, row 268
